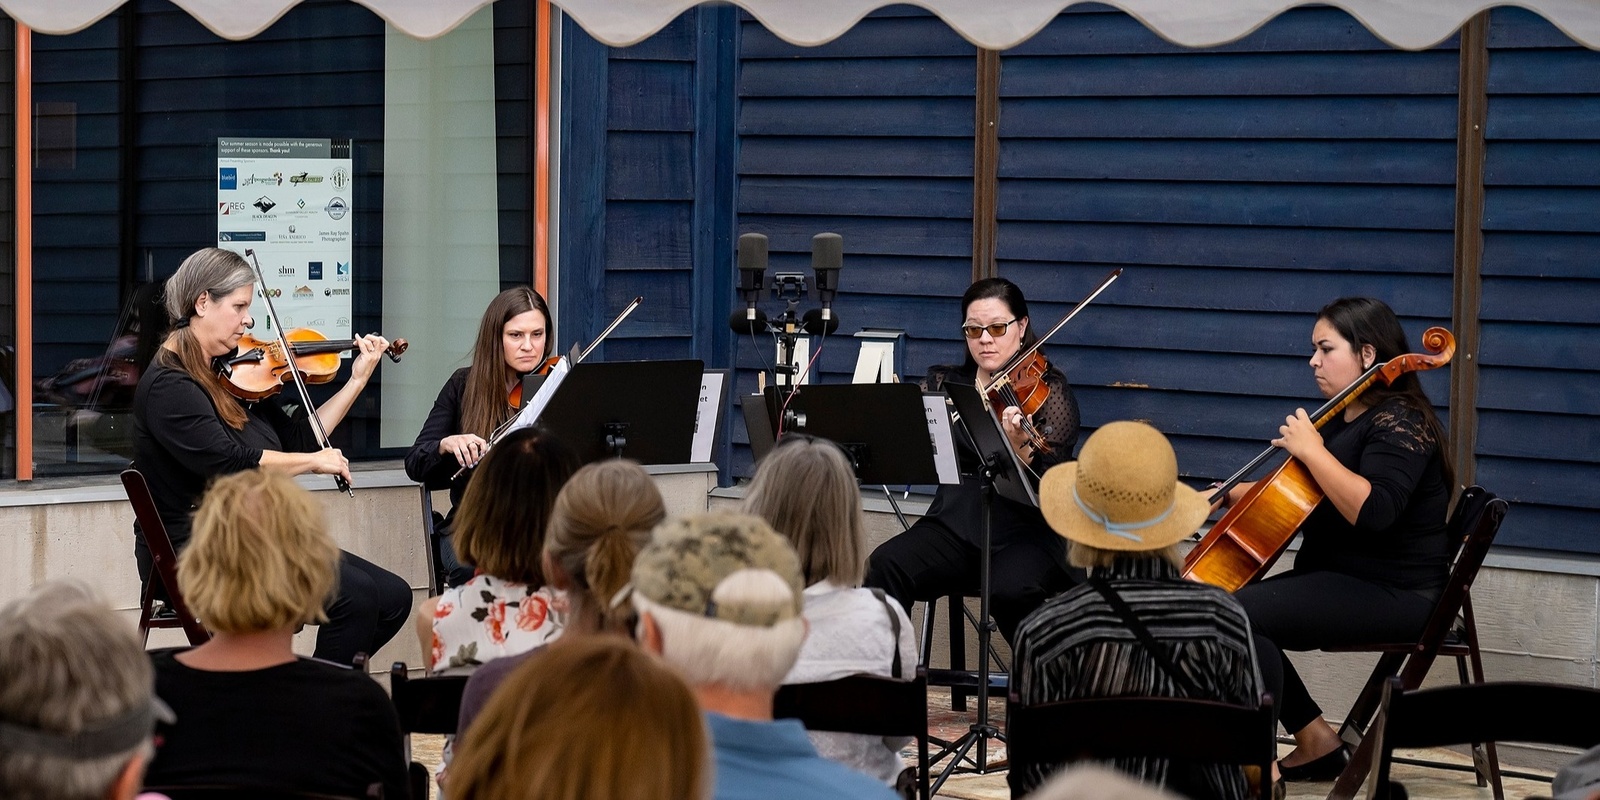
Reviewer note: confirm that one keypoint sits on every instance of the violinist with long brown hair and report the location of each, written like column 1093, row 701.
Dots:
column 189, row 429
column 939, row 554
column 514, row 338
column 1374, row 553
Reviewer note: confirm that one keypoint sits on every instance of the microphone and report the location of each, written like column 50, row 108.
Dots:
column 746, row 325
column 752, row 271
column 818, row 322
column 827, row 258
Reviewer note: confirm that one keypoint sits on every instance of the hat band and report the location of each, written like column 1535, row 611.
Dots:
column 117, row 736
column 1122, row 529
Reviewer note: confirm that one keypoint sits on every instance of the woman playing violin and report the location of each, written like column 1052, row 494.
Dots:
column 939, row 554
column 188, row 429
column 513, row 340
column 1374, row 553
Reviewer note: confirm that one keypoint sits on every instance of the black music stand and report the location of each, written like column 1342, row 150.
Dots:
column 882, row 426
column 1003, row 472
column 643, row 410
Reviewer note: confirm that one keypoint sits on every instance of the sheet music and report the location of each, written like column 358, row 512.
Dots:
column 944, row 445
column 530, row 413
column 706, row 414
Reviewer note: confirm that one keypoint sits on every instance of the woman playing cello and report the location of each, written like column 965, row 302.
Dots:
column 1374, row 553
column 513, row 339
column 939, row 554
column 188, row 429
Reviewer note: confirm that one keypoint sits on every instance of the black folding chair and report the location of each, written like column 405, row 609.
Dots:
column 1532, row 713
column 164, row 567
column 424, row 705
column 864, row 704
column 1450, row 631
column 1103, row 728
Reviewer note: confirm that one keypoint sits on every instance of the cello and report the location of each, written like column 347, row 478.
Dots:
column 1248, row 539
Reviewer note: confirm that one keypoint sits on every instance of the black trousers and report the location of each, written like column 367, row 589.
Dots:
column 1315, row 609
column 930, row 561
column 371, row 606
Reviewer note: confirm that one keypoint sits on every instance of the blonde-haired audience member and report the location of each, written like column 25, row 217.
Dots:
column 507, row 607
column 76, row 710
column 591, row 717
column 806, row 490
column 601, row 519
column 719, row 598
column 1095, row 782
column 249, row 712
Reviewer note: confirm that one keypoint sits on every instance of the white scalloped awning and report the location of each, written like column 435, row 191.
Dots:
column 997, row 24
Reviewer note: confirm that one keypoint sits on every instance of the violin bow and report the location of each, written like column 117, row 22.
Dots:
column 1005, row 372
column 299, row 380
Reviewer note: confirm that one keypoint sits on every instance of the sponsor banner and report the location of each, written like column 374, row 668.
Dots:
column 288, row 200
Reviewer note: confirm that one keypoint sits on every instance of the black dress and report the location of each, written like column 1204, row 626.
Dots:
column 939, row 554
column 180, row 444
column 436, row 470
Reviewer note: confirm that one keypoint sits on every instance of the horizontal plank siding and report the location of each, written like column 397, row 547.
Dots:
column 1539, row 396
column 870, row 137
column 1241, row 188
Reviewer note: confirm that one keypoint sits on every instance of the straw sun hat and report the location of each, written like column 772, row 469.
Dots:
column 1122, row 493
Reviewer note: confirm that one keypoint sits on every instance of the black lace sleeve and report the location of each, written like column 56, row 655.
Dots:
column 1057, row 419
column 1395, row 454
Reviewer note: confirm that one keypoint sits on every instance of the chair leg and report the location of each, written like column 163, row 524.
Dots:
column 958, row 648
column 1366, row 705
column 1475, row 656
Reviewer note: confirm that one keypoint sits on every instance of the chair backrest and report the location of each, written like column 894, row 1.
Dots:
column 867, row 704
column 164, row 558
column 426, row 705
column 1473, row 524
column 1147, row 727
column 1532, row 713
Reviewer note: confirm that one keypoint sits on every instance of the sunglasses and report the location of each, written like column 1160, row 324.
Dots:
column 995, row 329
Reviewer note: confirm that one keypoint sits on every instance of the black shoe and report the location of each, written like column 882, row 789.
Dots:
column 1324, row 768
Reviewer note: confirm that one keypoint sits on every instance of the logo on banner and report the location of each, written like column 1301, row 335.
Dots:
column 343, row 322
column 336, row 208
column 302, row 292
column 242, row 236
column 224, row 209
column 341, row 270
column 275, row 179
column 264, row 203
column 286, row 271
column 301, row 203
column 339, row 178
column 304, row 178
column 315, row 268
column 335, row 292
column 227, row 177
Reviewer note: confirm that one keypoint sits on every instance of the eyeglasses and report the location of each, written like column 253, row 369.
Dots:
column 995, row 329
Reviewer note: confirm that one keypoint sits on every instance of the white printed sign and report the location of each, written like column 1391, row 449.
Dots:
column 706, row 415
column 288, row 201
column 944, row 445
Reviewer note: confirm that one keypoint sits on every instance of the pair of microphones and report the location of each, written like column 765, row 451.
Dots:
column 827, row 258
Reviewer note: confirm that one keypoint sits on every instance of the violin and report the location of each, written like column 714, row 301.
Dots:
column 260, row 369
column 1021, row 383
column 514, row 397
column 1248, row 540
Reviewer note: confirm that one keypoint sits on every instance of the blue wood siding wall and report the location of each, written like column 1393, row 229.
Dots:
column 1539, row 388
column 1241, row 188
column 870, row 137
column 639, row 199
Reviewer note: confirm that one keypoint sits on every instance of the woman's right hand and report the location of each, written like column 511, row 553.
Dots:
column 1234, row 495
column 467, row 448
column 330, row 461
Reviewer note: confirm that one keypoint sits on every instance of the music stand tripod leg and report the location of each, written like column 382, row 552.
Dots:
column 981, row 731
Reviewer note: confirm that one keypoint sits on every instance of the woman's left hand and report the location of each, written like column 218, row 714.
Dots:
column 371, row 347
column 1011, row 420
column 1298, row 436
